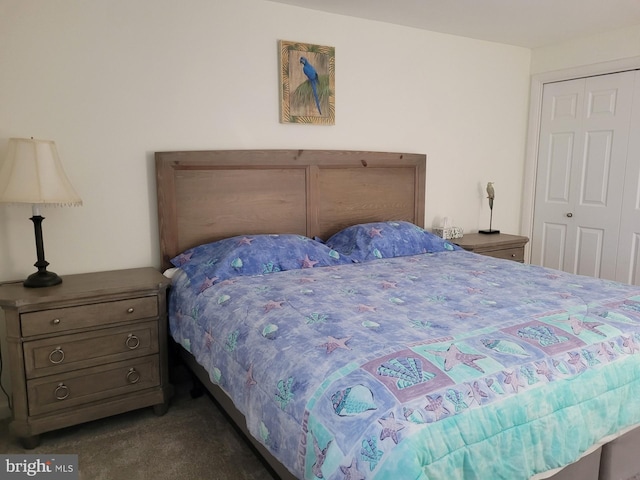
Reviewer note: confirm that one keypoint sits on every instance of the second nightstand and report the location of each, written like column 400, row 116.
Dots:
column 93, row 346
column 499, row 245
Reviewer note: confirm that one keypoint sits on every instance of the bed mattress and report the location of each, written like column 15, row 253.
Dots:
column 439, row 365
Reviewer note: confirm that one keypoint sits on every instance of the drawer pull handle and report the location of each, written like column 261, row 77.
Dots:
column 513, row 255
column 130, row 310
column 133, row 376
column 62, row 391
column 55, row 321
column 132, row 341
column 56, row 356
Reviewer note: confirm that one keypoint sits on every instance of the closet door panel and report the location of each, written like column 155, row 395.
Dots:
column 599, row 174
column 589, row 250
column 552, row 239
column 582, row 159
column 628, row 262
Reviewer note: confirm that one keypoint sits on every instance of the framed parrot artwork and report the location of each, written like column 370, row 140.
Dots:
column 307, row 83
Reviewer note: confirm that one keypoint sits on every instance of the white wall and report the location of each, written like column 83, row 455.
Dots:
column 592, row 50
column 112, row 81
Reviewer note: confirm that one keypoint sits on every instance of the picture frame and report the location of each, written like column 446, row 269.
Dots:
column 307, row 83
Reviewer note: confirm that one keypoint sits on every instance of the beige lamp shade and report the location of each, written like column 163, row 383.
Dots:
column 32, row 173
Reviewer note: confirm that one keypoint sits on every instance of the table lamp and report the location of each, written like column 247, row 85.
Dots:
column 32, row 173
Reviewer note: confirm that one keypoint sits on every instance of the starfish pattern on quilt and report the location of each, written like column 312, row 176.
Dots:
column 576, row 360
column 578, row 326
column 605, row 351
column 542, row 368
column 477, row 393
column 207, row 283
column 308, row 263
column 351, row 472
column 184, row 257
column 453, row 357
column 321, row 456
column 630, row 343
column 250, row 381
column 245, row 241
column 272, row 305
column 436, row 405
column 366, row 308
column 464, row 314
column 390, row 428
column 375, row 232
column 511, row 378
column 333, row 343
column 477, row 273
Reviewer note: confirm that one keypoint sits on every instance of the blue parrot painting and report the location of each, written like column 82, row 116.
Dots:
column 312, row 75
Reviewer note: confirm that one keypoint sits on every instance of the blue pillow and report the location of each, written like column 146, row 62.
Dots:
column 211, row 263
column 370, row 241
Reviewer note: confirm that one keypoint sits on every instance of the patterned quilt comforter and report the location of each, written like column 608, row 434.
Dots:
column 445, row 365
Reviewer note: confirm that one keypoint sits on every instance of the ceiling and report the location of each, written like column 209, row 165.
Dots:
column 524, row 23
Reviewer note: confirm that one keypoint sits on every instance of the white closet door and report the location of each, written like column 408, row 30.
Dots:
column 580, row 176
column 628, row 266
column 560, row 129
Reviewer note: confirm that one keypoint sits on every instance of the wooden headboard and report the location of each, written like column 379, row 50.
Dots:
column 208, row 195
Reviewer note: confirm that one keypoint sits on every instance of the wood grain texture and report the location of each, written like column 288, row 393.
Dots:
column 209, row 195
column 93, row 346
column 477, row 241
column 499, row 245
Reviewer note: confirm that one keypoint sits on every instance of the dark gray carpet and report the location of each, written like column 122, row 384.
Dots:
column 192, row 441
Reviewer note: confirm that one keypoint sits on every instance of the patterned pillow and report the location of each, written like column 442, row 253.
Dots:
column 369, row 241
column 214, row 262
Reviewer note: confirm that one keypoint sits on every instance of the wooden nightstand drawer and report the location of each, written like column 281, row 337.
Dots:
column 516, row 254
column 93, row 346
column 79, row 387
column 499, row 245
column 59, row 320
column 81, row 350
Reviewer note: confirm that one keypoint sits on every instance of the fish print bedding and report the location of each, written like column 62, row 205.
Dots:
column 444, row 364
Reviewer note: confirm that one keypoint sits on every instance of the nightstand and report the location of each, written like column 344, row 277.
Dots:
column 91, row 347
column 499, row 245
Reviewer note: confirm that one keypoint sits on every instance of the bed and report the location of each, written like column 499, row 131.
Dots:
column 351, row 343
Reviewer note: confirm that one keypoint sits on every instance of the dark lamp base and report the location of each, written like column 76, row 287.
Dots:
column 489, row 231
column 42, row 279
